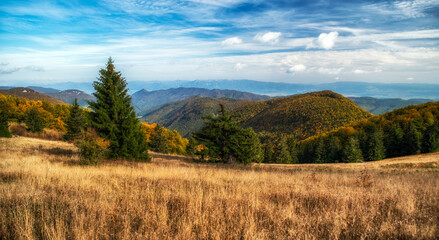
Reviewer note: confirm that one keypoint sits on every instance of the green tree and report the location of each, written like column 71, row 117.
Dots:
column 430, row 139
column 375, row 144
column 394, row 141
column 113, row 116
column 352, row 151
column 319, row 152
column 34, row 121
column 412, row 140
column 226, row 141
column 75, row 123
column 191, row 147
column 4, row 129
column 291, row 142
column 158, row 141
column 281, row 152
column 268, row 153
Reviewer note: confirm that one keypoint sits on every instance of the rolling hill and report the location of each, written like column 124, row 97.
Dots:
column 185, row 115
column 303, row 115
column 144, row 100
column 69, row 96
column 378, row 106
column 30, row 94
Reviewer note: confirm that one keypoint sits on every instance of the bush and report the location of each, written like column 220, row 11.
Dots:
column 91, row 148
column 19, row 129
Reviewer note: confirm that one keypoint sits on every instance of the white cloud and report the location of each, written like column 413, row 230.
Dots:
column 297, row 68
column 359, row 71
column 240, row 66
column 325, row 41
column 269, row 37
column 231, row 41
column 9, row 70
column 330, row 71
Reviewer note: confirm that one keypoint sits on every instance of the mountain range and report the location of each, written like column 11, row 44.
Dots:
column 350, row 89
column 30, row 94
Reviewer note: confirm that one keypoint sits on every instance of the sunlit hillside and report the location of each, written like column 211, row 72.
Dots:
column 46, row 194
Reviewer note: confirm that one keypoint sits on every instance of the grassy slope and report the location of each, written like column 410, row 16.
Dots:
column 185, row 116
column 304, row 115
column 30, row 95
column 44, row 193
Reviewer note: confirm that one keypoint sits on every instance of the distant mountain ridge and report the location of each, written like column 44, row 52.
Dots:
column 350, row 89
column 30, row 94
column 379, row 106
column 144, row 101
column 69, row 96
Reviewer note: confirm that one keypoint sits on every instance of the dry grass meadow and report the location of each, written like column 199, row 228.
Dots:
column 46, row 194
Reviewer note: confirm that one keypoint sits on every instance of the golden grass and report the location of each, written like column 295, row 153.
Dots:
column 44, row 193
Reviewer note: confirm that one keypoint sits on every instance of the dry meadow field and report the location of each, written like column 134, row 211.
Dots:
column 46, row 194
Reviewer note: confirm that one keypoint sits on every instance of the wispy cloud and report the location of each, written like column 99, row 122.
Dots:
column 269, row 37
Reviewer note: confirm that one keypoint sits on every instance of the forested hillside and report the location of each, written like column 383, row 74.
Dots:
column 301, row 115
column 406, row 131
column 185, row 116
column 144, row 100
column 378, row 106
column 30, row 94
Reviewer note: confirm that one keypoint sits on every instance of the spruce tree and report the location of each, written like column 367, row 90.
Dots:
column 430, row 139
column 113, row 116
column 291, row 142
column 34, row 121
column 375, row 145
column 228, row 142
column 281, row 153
column 268, row 153
column 191, row 147
column 394, row 141
column 412, row 141
column 352, row 151
column 4, row 129
column 76, row 122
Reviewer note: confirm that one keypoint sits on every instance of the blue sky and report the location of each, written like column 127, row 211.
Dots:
column 312, row 41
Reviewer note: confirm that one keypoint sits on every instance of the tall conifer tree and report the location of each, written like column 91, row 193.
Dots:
column 113, row 116
column 76, row 122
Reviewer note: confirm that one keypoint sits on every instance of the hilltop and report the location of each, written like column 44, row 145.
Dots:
column 144, row 100
column 303, row 115
column 378, row 106
column 185, row 115
column 30, row 94
column 69, row 96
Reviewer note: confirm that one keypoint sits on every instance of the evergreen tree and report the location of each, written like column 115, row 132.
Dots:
column 281, row 153
column 226, row 141
column 319, row 152
column 375, row 145
column 4, row 128
column 333, row 149
column 394, row 141
column 113, row 116
column 34, row 121
column 268, row 153
column 352, row 151
column 291, row 142
column 191, row 147
column 430, row 139
column 412, row 140
column 158, row 141
column 75, row 123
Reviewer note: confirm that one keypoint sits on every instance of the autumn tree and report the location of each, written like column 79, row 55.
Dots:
column 158, row 141
column 114, row 117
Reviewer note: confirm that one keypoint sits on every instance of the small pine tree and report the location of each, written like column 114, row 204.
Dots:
column 268, row 153
column 352, row 151
column 191, row 147
column 291, row 142
column 319, row 152
column 34, row 120
column 394, row 141
column 114, row 117
column 75, row 123
column 158, row 141
column 375, row 145
column 281, row 153
column 4, row 129
column 412, row 141
column 246, row 147
column 430, row 139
